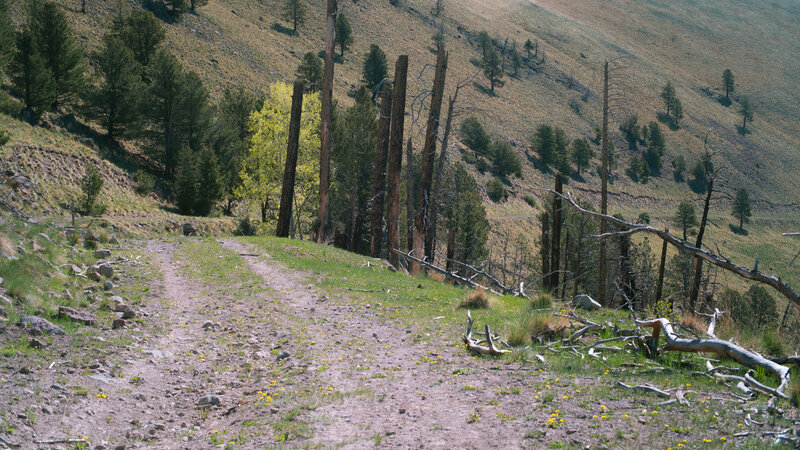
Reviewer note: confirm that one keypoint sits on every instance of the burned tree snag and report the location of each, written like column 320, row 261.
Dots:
column 451, row 248
column 421, row 219
column 545, row 252
column 661, row 266
column 409, row 224
column 430, row 230
column 325, row 116
column 604, row 188
column 555, row 240
column 396, row 157
column 698, row 263
column 289, row 172
column 379, row 182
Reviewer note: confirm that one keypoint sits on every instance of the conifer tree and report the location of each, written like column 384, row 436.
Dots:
column 685, row 217
column 165, row 92
column 741, row 207
column 746, row 111
column 6, row 37
column 194, row 4
column 492, row 70
column 209, row 183
column 309, row 72
column 294, row 11
column 30, row 75
column 375, row 68
column 582, row 154
column 186, row 181
column 116, row 102
column 668, row 95
column 141, row 32
column 194, row 111
column 727, row 82
column 474, row 136
column 505, row 160
column 484, row 43
column 544, row 143
column 528, row 48
column 344, row 33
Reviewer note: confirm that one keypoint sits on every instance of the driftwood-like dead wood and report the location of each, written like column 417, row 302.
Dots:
column 474, row 344
column 743, row 356
column 630, row 228
column 445, row 272
column 505, row 289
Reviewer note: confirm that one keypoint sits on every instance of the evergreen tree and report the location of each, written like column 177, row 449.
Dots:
column 6, row 37
column 194, row 4
column 516, row 61
column 466, row 215
column 165, row 92
column 177, row 6
column 309, row 72
column 484, row 43
column 30, row 76
column 762, row 307
column 727, row 82
column 375, row 68
column 344, row 33
column 474, row 136
column 495, row 190
column 53, row 39
column 194, row 111
column 186, row 187
column 209, row 183
column 653, row 158
column 116, row 102
column 582, row 153
column 639, row 170
column 544, row 143
column 677, row 111
column 741, row 207
column 685, row 217
column 505, row 160
column 746, row 111
column 492, row 70
column 668, row 95
column 141, row 32
column 91, row 185
column 679, row 164
column 561, row 145
column 655, row 139
column 294, row 11
column 528, row 48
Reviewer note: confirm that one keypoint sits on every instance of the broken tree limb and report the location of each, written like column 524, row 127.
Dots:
column 474, row 345
column 503, row 288
column 444, row 272
column 631, row 228
column 743, row 356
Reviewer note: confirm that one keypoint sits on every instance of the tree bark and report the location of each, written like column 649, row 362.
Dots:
column 325, row 138
column 430, row 232
column 421, row 219
column 545, row 251
column 698, row 263
column 289, row 172
column 379, row 182
column 555, row 241
column 604, row 188
column 396, row 156
column 409, row 224
column 661, row 267
column 451, row 248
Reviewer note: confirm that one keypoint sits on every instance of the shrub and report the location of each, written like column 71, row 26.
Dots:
column 506, row 161
column 144, row 182
column 474, row 136
column 477, row 299
column 694, row 323
column 772, row 343
column 91, row 184
column 482, row 165
column 530, row 200
column 542, row 301
column 245, row 227
column 497, row 192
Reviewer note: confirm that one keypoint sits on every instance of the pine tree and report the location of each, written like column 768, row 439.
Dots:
column 505, row 160
column 30, row 75
column 375, row 68
column 53, row 39
column 178, row 6
column 344, row 33
column 516, row 62
column 746, row 111
column 485, row 43
column 294, row 11
column 492, row 70
column 582, row 154
column 309, row 72
column 668, row 95
column 91, row 185
column 727, row 82
column 762, row 307
column 194, row 111
column 741, row 207
column 6, row 37
column 655, row 139
column 194, row 4
column 544, row 143
column 208, row 181
column 677, row 111
column 141, row 32
column 165, row 93
column 685, row 217
column 528, row 48
column 186, row 187
column 474, row 136
column 116, row 102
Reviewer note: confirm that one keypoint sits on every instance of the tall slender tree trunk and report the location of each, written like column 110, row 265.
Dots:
column 289, row 172
column 579, row 256
column 555, row 241
column 545, row 251
column 396, row 157
column 604, row 189
column 409, row 224
column 698, row 263
column 661, row 267
column 421, row 219
column 566, row 265
column 325, row 138
column 430, row 231
column 451, row 248
column 379, row 182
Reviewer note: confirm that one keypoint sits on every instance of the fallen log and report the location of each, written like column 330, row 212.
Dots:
column 474, row 344
column 445, row 272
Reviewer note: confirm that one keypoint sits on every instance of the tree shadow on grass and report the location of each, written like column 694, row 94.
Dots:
column 483, row 89
column 668, row 121
column 725, row 101
column 282, row 29
column 742, row 131
column 538, row 164
column 697, row 186
column 737, row 230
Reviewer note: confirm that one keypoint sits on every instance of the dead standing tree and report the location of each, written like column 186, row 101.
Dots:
column 379, row 183
column 396, row 157
column 711, row 175
column 428, row 160
column 289, row 172
column 325, row 136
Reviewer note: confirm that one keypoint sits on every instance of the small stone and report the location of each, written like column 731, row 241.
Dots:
column 94, row 276
column 586, row 302
column 209, row 400
column 189, row 229
column 47, row 410
column 67, row 294
column 75, row 269
column 107, row 286
column 139, row 396
column 273, row 410
column 65, row 312
column 402, row 411
column 118, row 323
column 106, row 270
column 209, row 325
column 283, row 355
column 129, row 313
column 36, row 325
column 35, row 343
column 102, row 253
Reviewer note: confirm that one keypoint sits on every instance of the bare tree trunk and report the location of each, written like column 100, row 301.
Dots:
column 566, row 265
column 430, row 231
column 451, row 248
column 698, row 263
column 428, row 161
column 579, row 256
column 661, row 267
column 604, row 188
column 396, row 157
column 505, row 255
column 325, row 138
column 545, row 251
column 555, row 241
column 379, row 183
column 409, row 223
column 289, row 172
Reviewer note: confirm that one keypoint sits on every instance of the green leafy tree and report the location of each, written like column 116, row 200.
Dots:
column 746, row 111
column 116, row 102
column 53, row 39
column 484, row 43
column 165, row 93
column 495, row 190
column 727, row 82
column 544, row 143
column 528, row 48
column 668, row 95
column 763, row 308
column 186, row 186
column 685, row 217
column 474, row 136
column 582, row 154
column 492, row 70
column 141, row 32
column 741, row 207
column 309, row 72
column 375, row 67
column 344, row 33
column 209, row 183
column 505, row 160
column 31, row 77
column 294, row 12
column 91, row 185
